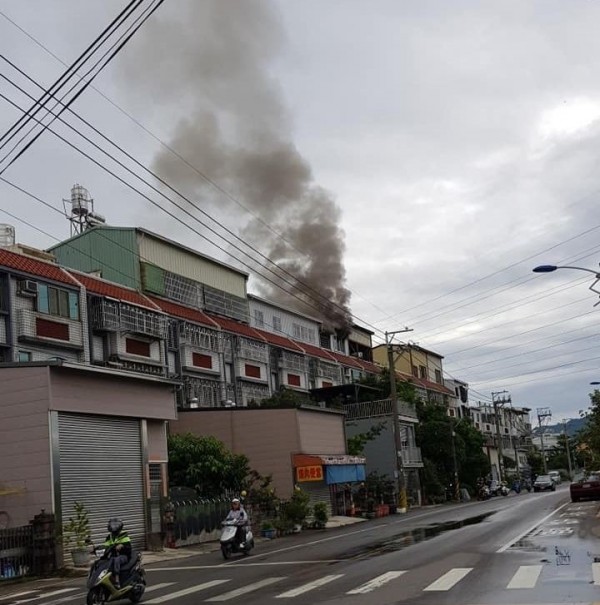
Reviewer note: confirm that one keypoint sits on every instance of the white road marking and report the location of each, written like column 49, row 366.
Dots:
column 449, row 579
column 525, row 577
column 377, row 582
column 596, row 573
column 46, row 595
column 310, row 586
column 245, row 589
column 19, row 594
column 528, row 531
column 264, row 564
column 185, row 591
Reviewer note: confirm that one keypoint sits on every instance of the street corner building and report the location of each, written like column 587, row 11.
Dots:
column 72, row 433
column 303, row 447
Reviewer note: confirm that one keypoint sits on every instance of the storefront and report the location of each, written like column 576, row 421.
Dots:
column 329, row 479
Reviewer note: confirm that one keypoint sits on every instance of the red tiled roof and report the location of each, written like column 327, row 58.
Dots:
column 280, row 341
column 177, row 310
column 34, row 267
column 236, row 327
column 351, row 362
column 316, row 351
column 95, row 285
column 434, row 386
column 369, row 366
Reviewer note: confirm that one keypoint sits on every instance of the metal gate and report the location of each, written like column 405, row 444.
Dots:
column 101, row 466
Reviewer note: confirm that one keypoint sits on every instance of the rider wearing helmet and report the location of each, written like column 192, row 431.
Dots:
column 240, row 517
column 121, row 542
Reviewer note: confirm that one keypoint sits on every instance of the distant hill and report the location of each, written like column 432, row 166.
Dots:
column 574, row 425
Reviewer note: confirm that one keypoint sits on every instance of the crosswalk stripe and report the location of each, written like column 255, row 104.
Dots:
column 525, row 577
column 449, row 579
column 310, row 586
column 45, row 595
column 245, row 589
column 377, row 582
column 185, row 591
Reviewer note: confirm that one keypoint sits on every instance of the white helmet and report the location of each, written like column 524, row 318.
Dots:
column 235, row 501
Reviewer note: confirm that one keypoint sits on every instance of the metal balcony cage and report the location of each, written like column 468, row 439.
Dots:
column 114, row 316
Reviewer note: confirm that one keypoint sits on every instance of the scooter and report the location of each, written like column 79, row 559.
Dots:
column 229, row 542
column 101, row 588
column 503, row 489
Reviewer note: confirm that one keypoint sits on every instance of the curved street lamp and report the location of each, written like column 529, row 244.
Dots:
column 552, row 268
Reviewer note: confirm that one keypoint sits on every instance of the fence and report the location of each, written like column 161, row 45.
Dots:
column 16, row 552
column 196, row 521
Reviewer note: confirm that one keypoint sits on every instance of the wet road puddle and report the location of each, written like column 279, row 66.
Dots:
column 414, row 536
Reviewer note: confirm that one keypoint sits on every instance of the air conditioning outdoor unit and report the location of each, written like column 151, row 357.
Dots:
column 28, row 287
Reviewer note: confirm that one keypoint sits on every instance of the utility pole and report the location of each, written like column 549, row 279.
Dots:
column 568, row 449
column 402, row 500
column 542, row 414
column 456, row 482
column 514, row 442
column 497, row 402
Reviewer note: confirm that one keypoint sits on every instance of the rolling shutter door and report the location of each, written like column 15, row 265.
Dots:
column 101, row 466
column 318, row 492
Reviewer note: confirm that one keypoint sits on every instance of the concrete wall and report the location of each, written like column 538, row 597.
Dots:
column 89, row 393
column 157, row 441
column 25, row 443
column 321, row 432
column 267, row 437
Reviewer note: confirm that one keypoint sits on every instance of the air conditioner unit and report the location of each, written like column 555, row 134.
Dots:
column 28, row 287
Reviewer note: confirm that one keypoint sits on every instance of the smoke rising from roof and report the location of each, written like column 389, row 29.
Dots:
column 213, row 58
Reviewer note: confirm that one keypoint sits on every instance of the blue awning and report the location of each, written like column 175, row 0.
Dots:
column 344, row 473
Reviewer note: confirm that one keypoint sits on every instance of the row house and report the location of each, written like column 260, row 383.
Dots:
column 228, row 347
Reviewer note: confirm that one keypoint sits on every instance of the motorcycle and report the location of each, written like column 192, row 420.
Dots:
column 484, row 493
column 503, row 490
column 101, row 588
column 230, row 543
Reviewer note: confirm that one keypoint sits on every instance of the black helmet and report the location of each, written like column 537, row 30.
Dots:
column 115, row 525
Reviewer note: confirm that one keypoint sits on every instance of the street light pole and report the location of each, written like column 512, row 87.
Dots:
column 552, row 268
column 402, row 500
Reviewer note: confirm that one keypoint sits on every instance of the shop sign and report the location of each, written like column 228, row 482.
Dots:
column 309, row 473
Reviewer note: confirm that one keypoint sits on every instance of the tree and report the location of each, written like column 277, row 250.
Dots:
column 589, row 437
column 284, row 398
column 206, row 465
column 434, row 435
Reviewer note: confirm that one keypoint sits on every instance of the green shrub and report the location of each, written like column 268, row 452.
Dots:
column 320, row 514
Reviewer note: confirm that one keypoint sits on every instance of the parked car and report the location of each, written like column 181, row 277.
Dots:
column 543, row 483
column 588, row 487
column 555, row 476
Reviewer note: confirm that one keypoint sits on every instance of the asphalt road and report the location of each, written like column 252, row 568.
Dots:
column 525, row 549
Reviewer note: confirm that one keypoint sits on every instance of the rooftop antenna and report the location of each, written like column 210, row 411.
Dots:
column 79, row 210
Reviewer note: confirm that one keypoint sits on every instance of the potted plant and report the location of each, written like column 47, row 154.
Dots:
column 267, row 530
column 297, row 509
column 320, row 515
column 76, row 535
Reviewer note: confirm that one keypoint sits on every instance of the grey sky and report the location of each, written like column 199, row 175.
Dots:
column 459, row 139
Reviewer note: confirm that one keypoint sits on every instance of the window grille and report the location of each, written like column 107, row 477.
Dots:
column 208, row 392
column 184, row 290
column 252, row 349
column 200, row 337
column 226, row 304
column 293, row 361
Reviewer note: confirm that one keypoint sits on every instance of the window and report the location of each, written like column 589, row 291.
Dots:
column 415, row 371
column 277, row 323
column 24, row 356
column 452, row 412
column 423, row 372
column 293, row 380
column 326, row 384
column 51, row 329
column 55, row 301
column 200, row 360
column 259, row 318
column 137, row 347
column 252, row 371
column 438, row 376
column 297, row 331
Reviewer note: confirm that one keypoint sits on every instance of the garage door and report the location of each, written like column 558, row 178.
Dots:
column 101, row 466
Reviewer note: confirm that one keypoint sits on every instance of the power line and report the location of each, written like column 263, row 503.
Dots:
column 176, row 154
column 277, row 273
column 115, row 48
column 83, row 57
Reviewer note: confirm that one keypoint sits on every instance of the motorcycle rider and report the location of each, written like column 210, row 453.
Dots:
column 121, row 542
column 238, row 515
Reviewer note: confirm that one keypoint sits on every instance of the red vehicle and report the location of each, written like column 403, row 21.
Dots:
column 586, row 488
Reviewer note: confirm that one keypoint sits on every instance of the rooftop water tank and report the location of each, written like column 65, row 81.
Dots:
column 7, row 236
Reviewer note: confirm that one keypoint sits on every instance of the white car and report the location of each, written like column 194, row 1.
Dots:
column 555, row 475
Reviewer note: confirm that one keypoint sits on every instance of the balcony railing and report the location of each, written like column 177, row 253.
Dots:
column 411, row 457
column 383, row 407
